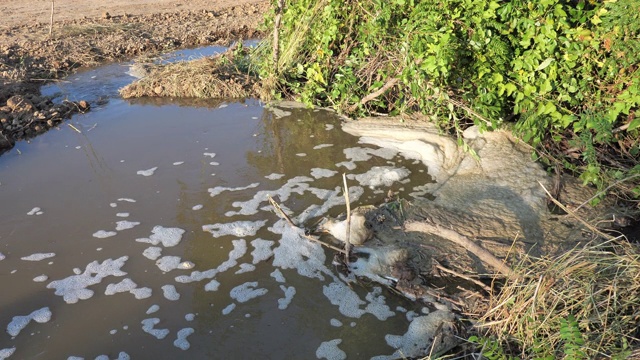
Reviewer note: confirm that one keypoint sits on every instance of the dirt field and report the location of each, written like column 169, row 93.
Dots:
column 31, row 12
column 87, row 33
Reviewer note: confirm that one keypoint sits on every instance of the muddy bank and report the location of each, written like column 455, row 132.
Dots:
column 29, row 57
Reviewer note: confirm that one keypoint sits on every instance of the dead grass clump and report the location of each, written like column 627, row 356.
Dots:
column 583, row 304
column 204, row 78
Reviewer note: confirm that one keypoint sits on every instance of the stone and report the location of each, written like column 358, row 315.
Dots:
column 106, row 15
column 19, row 103
column 158, row 89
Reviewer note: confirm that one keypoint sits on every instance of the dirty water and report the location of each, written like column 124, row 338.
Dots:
column 148, row 235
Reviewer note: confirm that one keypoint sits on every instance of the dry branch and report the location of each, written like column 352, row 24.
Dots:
column 453, row 236
column 374, row 94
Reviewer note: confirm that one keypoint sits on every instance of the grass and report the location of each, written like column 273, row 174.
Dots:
column 219, row 76
column 582, row 304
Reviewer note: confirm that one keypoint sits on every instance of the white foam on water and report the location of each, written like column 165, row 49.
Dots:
column 318, row 173
column 238, row 228
column 113, row 331
column 330, row 199
column 228, row 309
column 126, row 285
column 123, row 356
column 289, row 292
column 417, row 341
column 147, row 172
column 261, row 250
column 411, row 315
column 239, row 249
column 364, row 154
column 148, row 326
column 212, row 285
column 322, row 146
column 113, row 205
column 244, row 268
column 18, row 323
column 178, row 163
column 349, row 165
column 219, row 189
column 209, row 154
column 168, row 263
column 296, row 185
column 189, row 317
column 5, row 353
column 2, row 257
column 127, row 200
column 345, row 298
column 296, row 252
column 197, row 276
column 420, row 191
column 301, row 154
column 38, row 256
column 77, row 271
column 35, row 211
column 167, row 236
column 277, row 275
column 125, row 225
column 152, row 252
column 170, row 293
column 141, row 293
column 328, row 127
column 377, row 306
column 41, row 278
column 123, row 214
column 247, row 291
column 381, row 176
column 75, row 358
column 74, row 288
column 197, row 207
column 214, row 163
column 335, row 322
column 274, row 176
column 181, row 340
column 103, row 234
column 153, row 308
column 329, row 350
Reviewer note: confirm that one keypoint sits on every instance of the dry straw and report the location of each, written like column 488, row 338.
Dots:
column 598, row 285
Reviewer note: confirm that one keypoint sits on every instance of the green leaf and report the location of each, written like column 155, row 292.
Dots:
column 544, row 64
column 510, row 88
column 634, row 124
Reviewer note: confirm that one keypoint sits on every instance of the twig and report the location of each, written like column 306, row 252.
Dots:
column 276, row 35
column 280, row 212
column 309, row 237
column 51, row 22
column 605, row 190
column 75, row 128
column 374, row 94
column 462, row 276
column 463, row 241
column 347, row 240
column 572, row 213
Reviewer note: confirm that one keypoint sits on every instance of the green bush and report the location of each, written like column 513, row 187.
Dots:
column 562, row 74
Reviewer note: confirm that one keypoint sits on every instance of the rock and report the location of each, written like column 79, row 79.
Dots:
column 106, row 15
column 83, row 105
column 158, row 89
column 19, row 103
column 358, row 230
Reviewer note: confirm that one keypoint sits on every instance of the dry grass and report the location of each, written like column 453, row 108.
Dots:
column 205, row 78
column 598, row 285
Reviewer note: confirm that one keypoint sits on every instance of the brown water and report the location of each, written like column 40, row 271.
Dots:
column 77, row 179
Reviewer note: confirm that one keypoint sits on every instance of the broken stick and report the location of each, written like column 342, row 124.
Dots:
column 482, row 254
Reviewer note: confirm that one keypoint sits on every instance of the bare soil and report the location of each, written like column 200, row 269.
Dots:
column 86, row 33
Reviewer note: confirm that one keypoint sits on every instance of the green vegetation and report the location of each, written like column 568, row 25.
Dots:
column 564, row 75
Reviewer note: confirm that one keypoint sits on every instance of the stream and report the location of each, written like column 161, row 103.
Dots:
column 143, row 231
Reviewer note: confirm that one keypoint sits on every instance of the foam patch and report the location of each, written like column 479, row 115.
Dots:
column 238, row 228
column 329, row 350
column 148, row 326
column 147, row 172
column 74, row 288
column 247, row 291
column 18, row 323
column 38, row 256
column 168, row 237
column 219, row 189
column 181, row 341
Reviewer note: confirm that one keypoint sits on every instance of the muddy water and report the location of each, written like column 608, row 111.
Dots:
column 138, row 169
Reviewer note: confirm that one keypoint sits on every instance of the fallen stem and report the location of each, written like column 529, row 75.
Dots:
column 462, row 276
